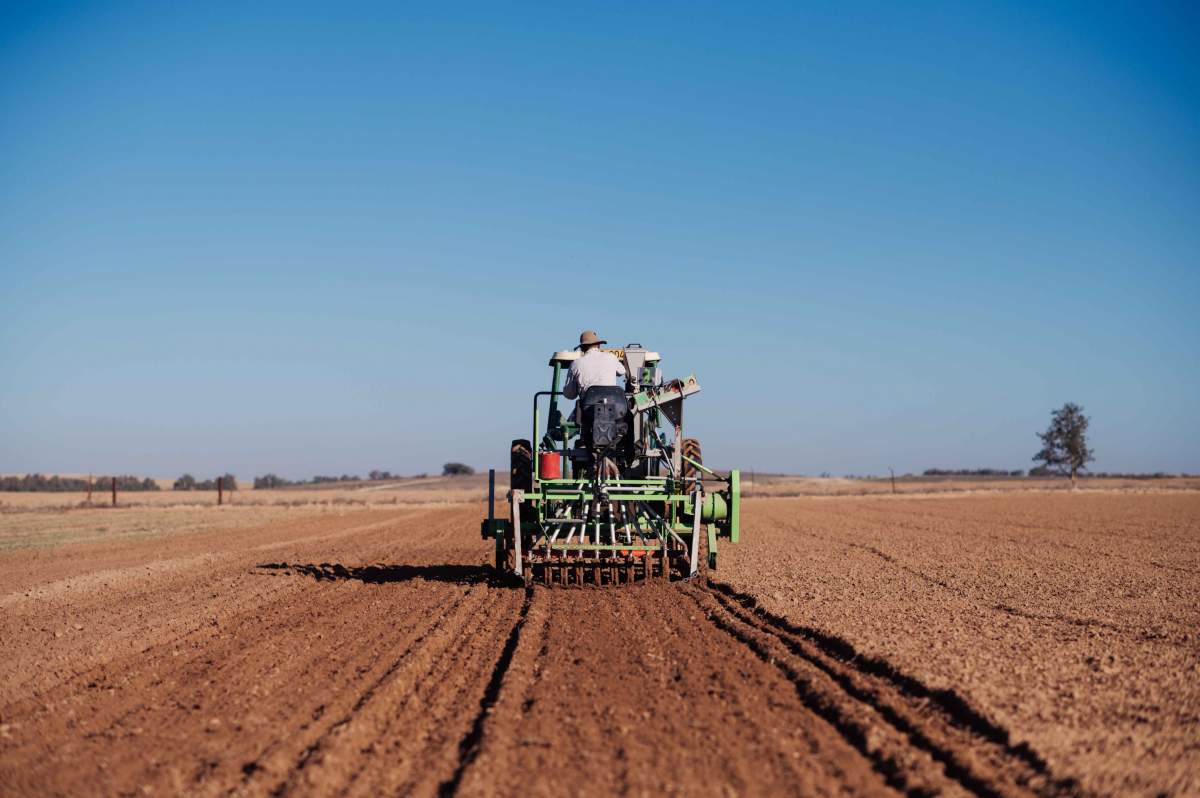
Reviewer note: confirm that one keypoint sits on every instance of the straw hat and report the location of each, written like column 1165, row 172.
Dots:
column 589, row 337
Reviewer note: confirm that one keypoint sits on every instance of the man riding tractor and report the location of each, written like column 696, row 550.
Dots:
column 594, row 367
column 618, row 494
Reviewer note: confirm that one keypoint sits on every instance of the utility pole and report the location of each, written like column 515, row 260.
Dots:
column 220, row 491
column 893, row 473
column 114, row 491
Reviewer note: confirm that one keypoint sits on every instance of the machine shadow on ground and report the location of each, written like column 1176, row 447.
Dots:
column 382, row 574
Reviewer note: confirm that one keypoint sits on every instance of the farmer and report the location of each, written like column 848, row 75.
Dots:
column 593, row 367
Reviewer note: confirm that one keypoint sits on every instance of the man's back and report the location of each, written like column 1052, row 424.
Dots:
column 594, row 367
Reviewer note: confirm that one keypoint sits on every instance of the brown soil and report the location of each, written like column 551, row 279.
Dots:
column 367, row 652
column 1069, row 620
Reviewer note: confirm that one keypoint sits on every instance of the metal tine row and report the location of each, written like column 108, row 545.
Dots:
column 634, row 518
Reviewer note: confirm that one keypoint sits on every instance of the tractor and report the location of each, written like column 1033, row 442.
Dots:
column 612, row 493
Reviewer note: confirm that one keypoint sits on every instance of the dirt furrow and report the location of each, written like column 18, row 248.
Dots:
column 87, row 622
column 344, row 688
column 629, row 691
column 885, row 712
column 1059, row 629
column 210, row 703
column 260, row 667
column 470, row 743
column 398, row 714
column 375, row 653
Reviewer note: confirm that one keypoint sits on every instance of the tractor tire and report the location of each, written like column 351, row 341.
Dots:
column 520, row 474
column 691, row 448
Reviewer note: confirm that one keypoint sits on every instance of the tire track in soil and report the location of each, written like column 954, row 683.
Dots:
column 469, row 745
column 632, row 691
column 393, row 739
column 402, row 679
column 281, row 760
column 888, row 558
column 162, row 701
column 199, row 686
column 220, row 710
column 167, row 602
column 886, row 714
column 438, row 761
column 933, row 580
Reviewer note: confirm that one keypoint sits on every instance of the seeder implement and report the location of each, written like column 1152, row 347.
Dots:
column 615, row 494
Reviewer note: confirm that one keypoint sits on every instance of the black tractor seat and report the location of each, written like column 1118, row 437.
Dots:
column 605, row 417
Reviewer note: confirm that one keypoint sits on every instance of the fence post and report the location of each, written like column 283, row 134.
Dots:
column 114, row 491
column 220, row 491
column 893, row 479
column 89, row 488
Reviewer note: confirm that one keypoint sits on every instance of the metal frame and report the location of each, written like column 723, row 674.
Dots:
column 615, row 530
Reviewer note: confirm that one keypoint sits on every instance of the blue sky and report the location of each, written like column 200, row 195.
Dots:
column 330, row 238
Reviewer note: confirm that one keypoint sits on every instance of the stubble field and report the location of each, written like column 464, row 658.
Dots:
column 993, row 644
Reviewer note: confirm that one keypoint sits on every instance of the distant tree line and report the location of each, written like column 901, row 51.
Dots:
column 269, row 481
column 1037, row 471
column 972, row 472
column 1118, row 475
column 189, row 482
column 38, row 483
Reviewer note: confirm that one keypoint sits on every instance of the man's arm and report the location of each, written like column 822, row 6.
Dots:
column 571, row 389
column 622, row 372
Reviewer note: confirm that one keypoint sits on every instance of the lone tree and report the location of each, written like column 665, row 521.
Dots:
column 1064, row 444
column 456, row 470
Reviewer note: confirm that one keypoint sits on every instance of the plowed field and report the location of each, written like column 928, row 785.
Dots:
column 369, row 652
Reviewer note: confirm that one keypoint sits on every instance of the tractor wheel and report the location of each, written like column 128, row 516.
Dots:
column 691, row 448
column 520, row 473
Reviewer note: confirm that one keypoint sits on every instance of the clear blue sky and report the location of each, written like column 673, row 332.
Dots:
column 329, row 238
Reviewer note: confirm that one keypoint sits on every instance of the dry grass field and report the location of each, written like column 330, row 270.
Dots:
column 469, row 488
column 990, row 642
column 778, row 485
column 409, row 491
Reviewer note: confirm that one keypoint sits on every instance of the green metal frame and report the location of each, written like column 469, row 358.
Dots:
column 719, row 510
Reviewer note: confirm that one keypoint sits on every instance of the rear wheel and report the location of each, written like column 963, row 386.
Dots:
column 691, row 450
column 520, row 475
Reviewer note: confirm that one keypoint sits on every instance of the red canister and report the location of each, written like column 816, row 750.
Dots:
column 549, row 465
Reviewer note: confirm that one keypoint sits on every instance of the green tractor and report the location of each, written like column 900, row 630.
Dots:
column 612, row 493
